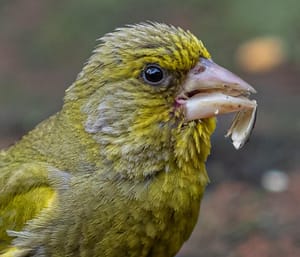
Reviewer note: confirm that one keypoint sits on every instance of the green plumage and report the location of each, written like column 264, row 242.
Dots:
column 118, row 171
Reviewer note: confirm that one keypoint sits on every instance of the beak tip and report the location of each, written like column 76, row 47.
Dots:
column 250, row 89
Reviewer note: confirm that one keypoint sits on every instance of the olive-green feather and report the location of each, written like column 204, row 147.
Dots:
column 118, row 171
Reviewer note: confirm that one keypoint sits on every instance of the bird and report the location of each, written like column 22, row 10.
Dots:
column 120, row 169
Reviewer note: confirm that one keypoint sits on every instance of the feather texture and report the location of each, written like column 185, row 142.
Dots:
column 118, row 171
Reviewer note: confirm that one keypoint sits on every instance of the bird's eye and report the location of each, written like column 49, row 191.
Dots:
column 153, row 74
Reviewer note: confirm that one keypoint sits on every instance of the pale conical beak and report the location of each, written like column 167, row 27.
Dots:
column 210, row 90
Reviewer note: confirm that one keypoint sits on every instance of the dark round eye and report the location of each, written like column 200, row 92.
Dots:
column 153, row 74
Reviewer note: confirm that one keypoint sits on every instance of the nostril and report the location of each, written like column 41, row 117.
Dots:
column 199, row 69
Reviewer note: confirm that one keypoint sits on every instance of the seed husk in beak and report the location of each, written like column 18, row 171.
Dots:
column 211, row 90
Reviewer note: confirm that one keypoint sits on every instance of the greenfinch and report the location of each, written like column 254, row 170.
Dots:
column 120, row 169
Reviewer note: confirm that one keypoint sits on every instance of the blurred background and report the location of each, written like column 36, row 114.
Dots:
column 252, row 206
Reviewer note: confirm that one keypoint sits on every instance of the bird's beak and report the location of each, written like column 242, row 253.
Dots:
column 210, row 90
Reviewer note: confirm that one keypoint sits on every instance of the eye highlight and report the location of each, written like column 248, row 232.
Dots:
column 153, row 74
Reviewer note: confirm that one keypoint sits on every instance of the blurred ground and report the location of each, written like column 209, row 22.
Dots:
column 43, row 45
column 240, row 220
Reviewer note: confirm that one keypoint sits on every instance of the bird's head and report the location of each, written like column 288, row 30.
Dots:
column 149, row 94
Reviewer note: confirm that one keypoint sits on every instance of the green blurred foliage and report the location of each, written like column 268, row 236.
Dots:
column 67, row 29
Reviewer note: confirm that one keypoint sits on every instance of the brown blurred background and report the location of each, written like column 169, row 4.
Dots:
column 252, row 206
